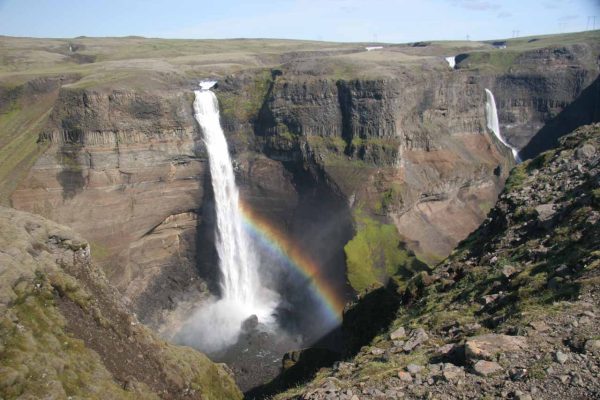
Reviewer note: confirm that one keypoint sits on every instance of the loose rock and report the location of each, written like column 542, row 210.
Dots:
column 485, row 368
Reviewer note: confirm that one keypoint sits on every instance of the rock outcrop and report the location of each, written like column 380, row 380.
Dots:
column 65, row 332
column 511, row 313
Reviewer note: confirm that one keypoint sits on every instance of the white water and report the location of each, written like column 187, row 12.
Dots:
column 218, row 325
column 205, row 85
column 491, row 114
column 451, row 61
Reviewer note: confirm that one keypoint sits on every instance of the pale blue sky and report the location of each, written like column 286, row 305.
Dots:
column 336, row 20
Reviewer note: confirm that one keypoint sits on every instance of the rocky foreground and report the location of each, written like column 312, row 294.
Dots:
column 65, row 333
column 512, row 313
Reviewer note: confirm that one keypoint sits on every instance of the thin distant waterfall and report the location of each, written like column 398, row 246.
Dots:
column 493, row 124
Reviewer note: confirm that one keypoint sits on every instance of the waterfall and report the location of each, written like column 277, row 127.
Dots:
column 218, row 325
column 237, row 263
column 451, row 61
column 491, row 114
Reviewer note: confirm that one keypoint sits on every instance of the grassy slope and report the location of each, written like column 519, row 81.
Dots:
column 123, row 59
column 64, row 331
column 501, row 60
column 19, row 129
column 374, row 255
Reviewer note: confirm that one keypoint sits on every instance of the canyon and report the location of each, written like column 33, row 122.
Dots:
column 358, row 157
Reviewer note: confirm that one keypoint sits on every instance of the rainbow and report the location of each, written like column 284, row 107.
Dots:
column 279, row 244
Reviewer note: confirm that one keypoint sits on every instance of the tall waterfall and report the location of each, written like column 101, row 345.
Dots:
column 237, row 263
column 491, row 114
column 242, row 294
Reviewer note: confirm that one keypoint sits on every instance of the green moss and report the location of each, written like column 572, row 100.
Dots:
column 389, row 198
column 38, row 359
column 497, row 60
column 19, row 130
column 375, row 254
column 330, row 147
column 596, row 197
column 540, row 161
column 66, row 285
column 245, row 106
column 485, row 206
column 516, row 178
column 525, row 213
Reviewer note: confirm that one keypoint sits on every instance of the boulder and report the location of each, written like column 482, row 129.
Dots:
column 452, row 373
column 545, row 213
column 561, row 357
column 592, row 346
column 416, row 337
column 414, row 368
column 405, row 376
column 489, row 346
column 539, row 326
column 486, row 368
column 250, row 323
column 399, row 333
column 584, row 152
column 508, row 271
column 377, row 351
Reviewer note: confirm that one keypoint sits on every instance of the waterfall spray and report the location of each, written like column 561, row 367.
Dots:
column 493, row 124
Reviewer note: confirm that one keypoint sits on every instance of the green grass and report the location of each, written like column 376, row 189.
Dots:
column 146, row 63
column 516, row 178
column 19, row 130
column 245, row 106
column 495, row 60
column 40, row 359
column 375, row 254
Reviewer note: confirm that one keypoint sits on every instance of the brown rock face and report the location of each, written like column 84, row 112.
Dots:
column 413, row 150
column 539, row 89
column 126, row 169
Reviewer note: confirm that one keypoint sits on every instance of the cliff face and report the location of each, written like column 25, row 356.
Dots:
column 316, row 138
column 65, row 331
column 420, row 139
column 537, row 86
column 126, row 169
column 413, row 149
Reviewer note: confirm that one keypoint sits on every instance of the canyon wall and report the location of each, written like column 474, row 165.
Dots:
column 128, row 170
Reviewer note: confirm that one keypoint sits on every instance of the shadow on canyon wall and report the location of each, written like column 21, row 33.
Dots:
column 584, row 110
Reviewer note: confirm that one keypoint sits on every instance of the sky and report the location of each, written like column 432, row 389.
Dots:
column 393, row 21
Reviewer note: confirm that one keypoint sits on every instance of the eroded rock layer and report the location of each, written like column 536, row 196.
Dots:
column 399, row 140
